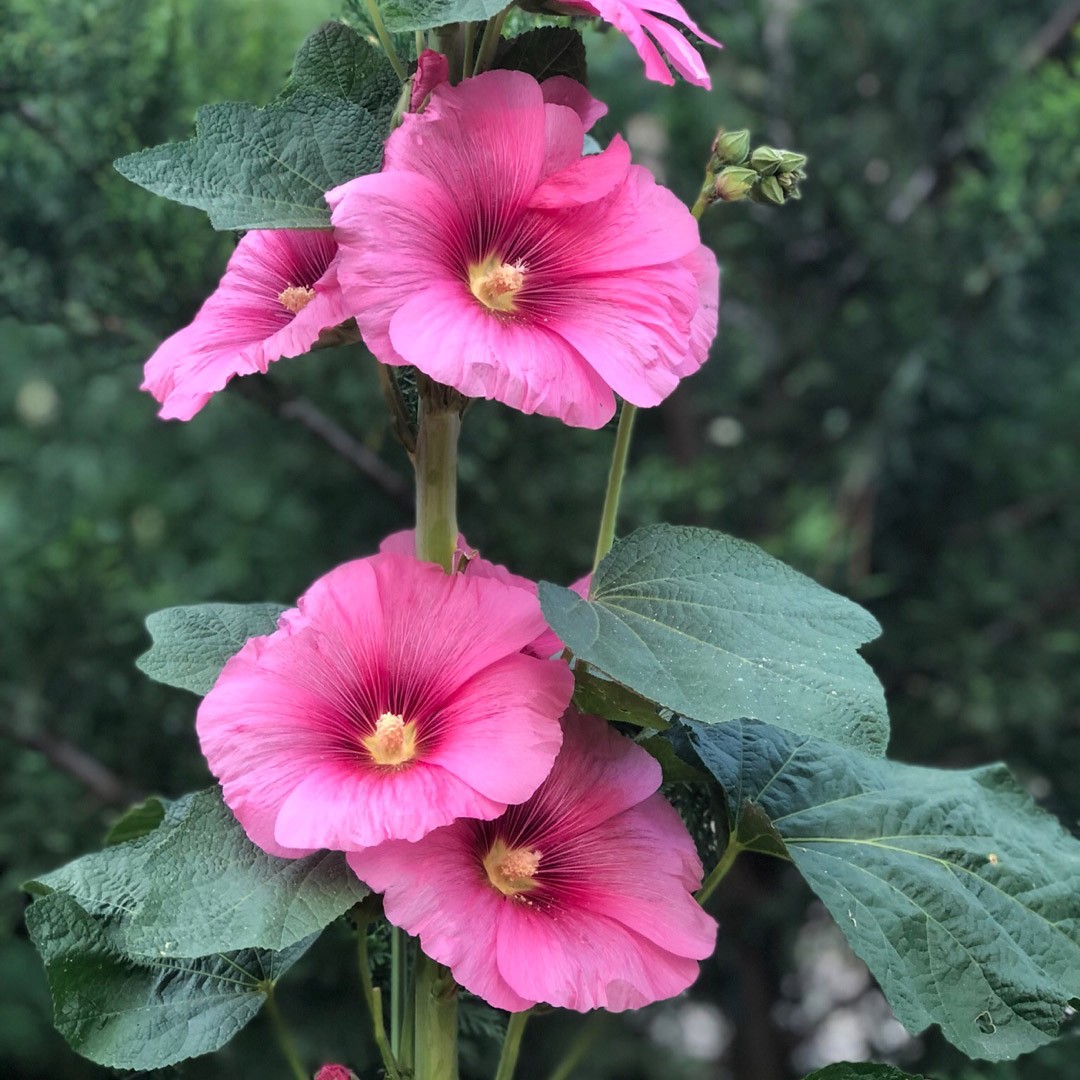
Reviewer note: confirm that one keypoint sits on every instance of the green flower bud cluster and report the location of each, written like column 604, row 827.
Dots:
column 764, row 174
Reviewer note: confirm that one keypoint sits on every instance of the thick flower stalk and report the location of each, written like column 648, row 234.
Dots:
column 490, row 254
column 392, row 700
column 581, row 897
column 645, row 32
column 279, row 292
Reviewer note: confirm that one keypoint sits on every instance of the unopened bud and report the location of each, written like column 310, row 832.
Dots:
column 769, row 190
column 730, row 148
column 790, row 162
column 734, row 183
column 335, row 1072
column 765, row 161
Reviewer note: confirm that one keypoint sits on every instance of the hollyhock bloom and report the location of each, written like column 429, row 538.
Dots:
column 432, row 68
column 278, row 293
column 581, row 897
column 393, row 699
column 640, row 24
column 467, row 559
column 490, row 254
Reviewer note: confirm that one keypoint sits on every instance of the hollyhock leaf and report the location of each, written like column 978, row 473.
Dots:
column 544, row 53
column 137, row 821
column 402, row 16
column 958, row 892
column 336, row 61
column 191, row 644
column 714, row 628
column 263, row 168
column 130, row 1012
column 866, row 1070
column 196, row 885
column 601, row 697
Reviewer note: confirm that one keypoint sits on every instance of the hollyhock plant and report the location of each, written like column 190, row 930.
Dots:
column 534, row 276
column 581, row 897
column 645, row 31
column 279, row 292
column 392, row 700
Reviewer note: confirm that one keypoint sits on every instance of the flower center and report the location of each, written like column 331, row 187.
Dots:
column 393, row 742
column 295, row 298
column 512, row 870
column 495, row 283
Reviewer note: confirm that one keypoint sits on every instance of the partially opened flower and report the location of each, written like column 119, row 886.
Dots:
column 580, row 897
column 639, row 23
column 278, row 294
column 394, row 699
column 490, row 254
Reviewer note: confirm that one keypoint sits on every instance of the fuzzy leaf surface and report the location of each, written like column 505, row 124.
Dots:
column 961, row 895
column 336, row 61
column 191, row 644
column 545, row 52
column 264, row 168
column 866, row 1070
column 142, row 1012
column 715, row 629
column 402, row 16
column 137, row 821
column 197, row 885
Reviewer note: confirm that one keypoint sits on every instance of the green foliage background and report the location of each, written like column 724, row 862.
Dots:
column 891, row 407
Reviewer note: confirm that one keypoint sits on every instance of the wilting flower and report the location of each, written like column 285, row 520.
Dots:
column 639, row 23
column 278, row 293
column 580, row 897
column 432, row 68
column 467, row 560
column 394, row 699
column 490, row 254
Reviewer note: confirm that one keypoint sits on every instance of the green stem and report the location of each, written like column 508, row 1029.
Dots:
column 719, row 871
column 615, row 480
column 511, row 1045
column 384, row 39
column 284, row 1036
column 702, row 203
column 397, row 985
column 469, row 49
column 436, row 1022
column 373, row 998
column 436, row 474
column 490, row 41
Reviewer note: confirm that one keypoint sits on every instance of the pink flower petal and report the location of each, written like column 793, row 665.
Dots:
column 432, row 69
column 684, row 58
column 585, row 180
column 448, row 335
column 562, row 90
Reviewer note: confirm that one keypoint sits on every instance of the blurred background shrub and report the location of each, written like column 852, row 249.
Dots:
column 892, row 406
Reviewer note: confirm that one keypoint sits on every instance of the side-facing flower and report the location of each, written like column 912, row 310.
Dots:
column 279, row 292
column 490, row 254
column 581, row 897
column 639, row 23
column 392, row 700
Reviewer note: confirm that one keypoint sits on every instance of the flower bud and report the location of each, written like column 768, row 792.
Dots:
column 730, row 148
column 790, row 162
column 769, row 190
column 765, row 161
column 335, row 1072
column 734, row 183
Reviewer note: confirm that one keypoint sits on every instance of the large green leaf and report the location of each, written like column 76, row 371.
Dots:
column 264, row 168
column 545, row 52
column 714, row 628
column 143, row 1012
column 402, row 16
column 197, row 885
column 191, row 644
column 961, row 896
column 866, row 1070
column 336, row 61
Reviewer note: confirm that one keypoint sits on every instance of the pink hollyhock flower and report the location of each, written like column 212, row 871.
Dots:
column 432, row 68
column 467, row 560
column 278, row 293
column 335, row 1072
column 581, row 897
column 393, row 699
column 641, row 26
column 496, row 259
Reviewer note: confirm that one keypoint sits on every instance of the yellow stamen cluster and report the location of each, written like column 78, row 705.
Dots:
column 512, row 870
column 495, row 283
column 393, row 742
column 295, row 298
